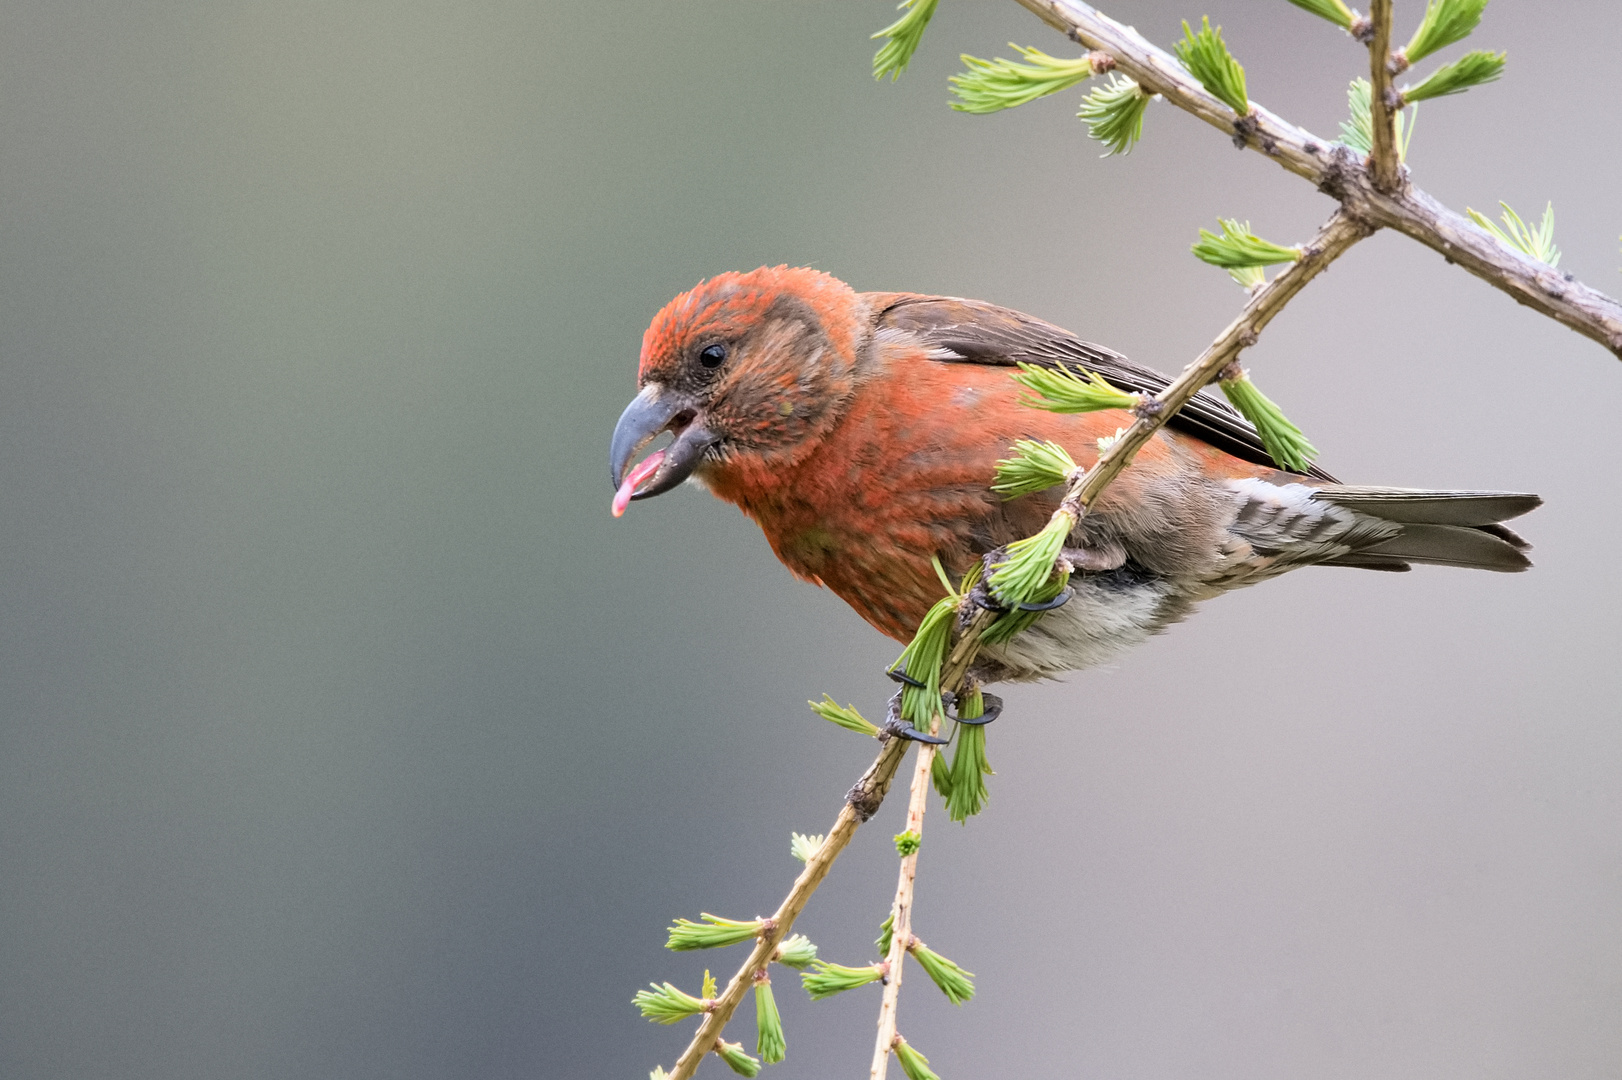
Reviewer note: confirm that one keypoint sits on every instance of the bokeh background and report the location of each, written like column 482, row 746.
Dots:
column 344, row 734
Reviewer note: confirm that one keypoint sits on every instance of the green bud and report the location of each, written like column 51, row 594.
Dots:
column 737, row 1059
column 1207, row 58
column 1358, row 131
column 969, row 765
column 1033, row 466
column 954, row 982
column 1029, row 563
column 1285, row 442
column 845, row 716
column 802, row 847
column 1239, row 247
column 714, row 933
column 1471, row 69
column 904, row 35
column 665, row 1004
column 886, row 934
column 1114, row 114
column 907, row 843
column 826, row 980
column 1538, row 242
column 1333, row 10
column 1011, row 625
column 991, row 85
column 796, row 951
column 922, row 659
column 1061, row 390
column 914, row 1064
column 1445, row 22
column 769, row 1042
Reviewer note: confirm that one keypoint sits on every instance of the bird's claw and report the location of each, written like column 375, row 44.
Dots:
column 993, row 709
column 897, row 727
column 981, row 596
column 1048, row 605
column 900, row 676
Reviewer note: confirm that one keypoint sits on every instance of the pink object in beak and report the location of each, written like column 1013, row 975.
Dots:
column 643, row 469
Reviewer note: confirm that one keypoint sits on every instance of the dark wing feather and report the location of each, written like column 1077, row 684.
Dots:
column 969, row 331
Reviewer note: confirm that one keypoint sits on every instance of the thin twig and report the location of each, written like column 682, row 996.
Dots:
column 901, row 910
column 865, row 797
column 860, row 804
column 1340, row 232
column 1385, row 168
column 1337, row 173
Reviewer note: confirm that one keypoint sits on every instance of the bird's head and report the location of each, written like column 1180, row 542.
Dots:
column 746, row 371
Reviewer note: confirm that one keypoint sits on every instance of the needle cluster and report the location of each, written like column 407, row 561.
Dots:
column 737, row 1058
column 1357, row 132
column 1114, row 114
column 1031, row 467
column 990, row 86
column 667, row 1004
column 713, row 933
column 1207, row 58
column 1239, row 248
column 903, row 37
column 1285, row 443
column 1064, row 390
column 1445, row 22
column 1471, row 69
column 1333, row 10
column 769, row 1041
column 845, row 716
column 965, row 780
column 1537, row 242
column 825, row 979
column 953, row 981
column 914, row 1064
column 1029, row 564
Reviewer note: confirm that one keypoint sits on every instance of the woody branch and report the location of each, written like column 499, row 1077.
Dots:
column 1338, row 173
column 901, row 914
column 1385, row 168
column 864, row 798
column 1339, row 233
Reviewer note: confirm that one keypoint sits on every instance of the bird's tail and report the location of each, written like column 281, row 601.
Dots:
column 1442, row 528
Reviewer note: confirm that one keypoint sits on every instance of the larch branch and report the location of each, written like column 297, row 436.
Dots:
column 863, row 799
column 1385, row 168
column 901, row 911
column 1340, row 232
column 1338, row 173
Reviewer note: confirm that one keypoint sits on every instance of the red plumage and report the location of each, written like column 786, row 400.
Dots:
column 862, row 433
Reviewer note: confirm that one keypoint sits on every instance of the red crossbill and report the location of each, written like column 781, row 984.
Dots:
column 861, row 432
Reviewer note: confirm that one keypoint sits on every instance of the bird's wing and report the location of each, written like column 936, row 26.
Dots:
column 969, row 331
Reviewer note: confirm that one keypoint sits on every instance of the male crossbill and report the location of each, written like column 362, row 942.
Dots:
column 861, row 432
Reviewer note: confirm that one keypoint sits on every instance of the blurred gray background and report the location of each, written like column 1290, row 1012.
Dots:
column 344, row 734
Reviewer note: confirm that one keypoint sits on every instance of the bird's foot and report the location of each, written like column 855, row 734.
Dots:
column 992, row 709
column 898, row 727
column 903, row 678
column 982, row 596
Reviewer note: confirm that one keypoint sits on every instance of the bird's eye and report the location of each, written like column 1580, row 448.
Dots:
column 712, row 356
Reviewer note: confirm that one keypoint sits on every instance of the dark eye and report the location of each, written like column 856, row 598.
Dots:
column 712, row 356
